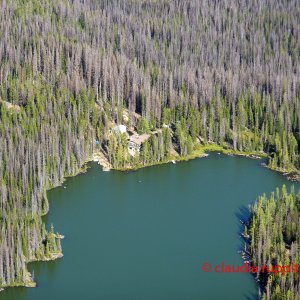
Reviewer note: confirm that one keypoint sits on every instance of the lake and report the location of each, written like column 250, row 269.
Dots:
column 145, row 235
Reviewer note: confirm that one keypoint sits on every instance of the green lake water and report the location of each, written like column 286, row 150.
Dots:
column 144, row 235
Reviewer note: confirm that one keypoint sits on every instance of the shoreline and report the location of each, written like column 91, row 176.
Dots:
column 100, row 157
column 199, row 152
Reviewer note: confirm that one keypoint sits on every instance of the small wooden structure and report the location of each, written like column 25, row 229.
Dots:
column 135, row 141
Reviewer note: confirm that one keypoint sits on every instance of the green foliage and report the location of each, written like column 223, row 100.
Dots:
column 81, row 21
column 274, row 237
column 69, row 68
column 143, row 126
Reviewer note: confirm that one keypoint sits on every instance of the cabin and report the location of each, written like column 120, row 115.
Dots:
column 120, row 129
column 135, row 141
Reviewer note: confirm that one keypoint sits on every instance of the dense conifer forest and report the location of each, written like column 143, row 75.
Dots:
column 274, row 234
column 194, row 72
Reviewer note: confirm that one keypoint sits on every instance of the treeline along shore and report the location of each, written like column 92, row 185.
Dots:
column 273, row 237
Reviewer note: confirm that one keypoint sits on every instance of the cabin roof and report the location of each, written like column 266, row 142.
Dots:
column 120, row 129
column 139, row 139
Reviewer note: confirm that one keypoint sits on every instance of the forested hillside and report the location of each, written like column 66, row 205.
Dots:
column 274, row 233
column 224, row 72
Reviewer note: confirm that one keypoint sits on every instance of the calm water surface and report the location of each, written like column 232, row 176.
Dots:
column 144, row 235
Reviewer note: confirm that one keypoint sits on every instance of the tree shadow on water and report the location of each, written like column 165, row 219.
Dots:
column 242, row 216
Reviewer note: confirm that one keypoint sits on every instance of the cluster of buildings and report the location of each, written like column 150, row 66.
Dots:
column 134, row 139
